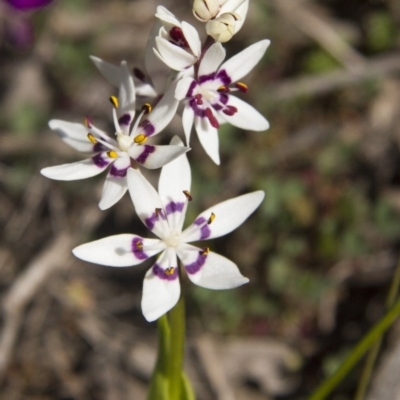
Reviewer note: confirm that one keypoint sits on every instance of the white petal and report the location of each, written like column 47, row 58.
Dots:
column 77, row 170
column 166, row 16
column 192, row 37
column 175, row 177
column 154, row 157
column 174, row 56
column 187, row 121
column 73, row 134
column 161, row 291
column 157, row 70
column 208, row 137
column 119, row 250
column 230, row 6
column 240, row 65
column 164, row 111
column 183, row 86
column 242, row 12
column 228, row 216
column 110, row 71
column 115, row 185
column 247, row 117
column 146, row 201
column 211, row 271
column 212, row 59
column 126, row 94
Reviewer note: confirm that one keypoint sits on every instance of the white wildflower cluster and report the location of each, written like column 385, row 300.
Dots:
column 198, row 83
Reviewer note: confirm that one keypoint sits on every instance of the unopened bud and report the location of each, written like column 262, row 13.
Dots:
column 222, row 28
column 204, row 10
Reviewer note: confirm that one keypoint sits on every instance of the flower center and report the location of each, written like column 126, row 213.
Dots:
column 124, row 141
column 173, row 240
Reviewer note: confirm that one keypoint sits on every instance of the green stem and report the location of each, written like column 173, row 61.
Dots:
column 177, row 345
column 357, row 353
column 374, row 352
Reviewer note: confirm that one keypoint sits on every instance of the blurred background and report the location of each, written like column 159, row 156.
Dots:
column 320, row 252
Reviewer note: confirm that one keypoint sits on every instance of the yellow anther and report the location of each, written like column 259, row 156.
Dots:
column 112, row 154
column 211, row 219
column 223, row 89
column 242, row 87
column 205, row 251
column 140, row 139
column 188, row 195
column 91, row 138
column 170, row 271
column 158, row 211
column 114, row 101
column 139, row 245
column 147, row 108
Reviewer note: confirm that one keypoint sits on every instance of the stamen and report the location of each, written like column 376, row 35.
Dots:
column 170, row 271
column 214, row 122
column 178, row 37
column 223, row 89
column 199, row 99
column 91, row 138
column 230, row 110
column 211, row 219
column 139, row 245
column 88, row 122
column 140, row 139
column 114, row 101
column 147, row 108
column 112, row 154
column 188, row 195
column 158, row 211
column 205, row 251
column 242, row 87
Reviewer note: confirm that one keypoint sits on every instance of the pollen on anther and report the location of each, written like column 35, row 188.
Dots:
column 205, row 251
column 188, row 195
column 211, row 219
column 242, row 87
column 147, row 108
column 112, row 154
column 139, row 245
column 91, row 138
column 170, row 271
column 114, row 101
column 158, row 211
column 140, row 139
column 223, row 89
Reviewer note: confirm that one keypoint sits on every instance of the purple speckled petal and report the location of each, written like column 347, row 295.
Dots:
column 208, row 269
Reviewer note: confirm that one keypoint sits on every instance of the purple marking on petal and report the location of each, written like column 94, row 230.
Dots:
column 137, row 251
column 124, row 119
column 160, row 273
column 174, row 207
column 98, row 147
column 196, row 266
column 224, row 77
column 145, row 154
column 206, row 78
column 118, row 173
column 147, row 127
column 223, row 99
column 151, row 221
column 99, row 161
column 192, row 86
column 205, row 229
column 198, row 110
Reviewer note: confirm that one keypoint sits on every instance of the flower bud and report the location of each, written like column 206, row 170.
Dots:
column 222, row 28
column 204, row 10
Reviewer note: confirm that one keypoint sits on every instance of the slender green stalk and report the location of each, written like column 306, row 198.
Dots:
column 158, row 389
column 357, row 353
column 177, row 345
column 373, row 354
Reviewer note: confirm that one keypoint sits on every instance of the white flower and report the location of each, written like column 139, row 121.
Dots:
column 164, row 213
column 208, row 99
column 224, row 17
column 178, row 43
column 129, row 141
